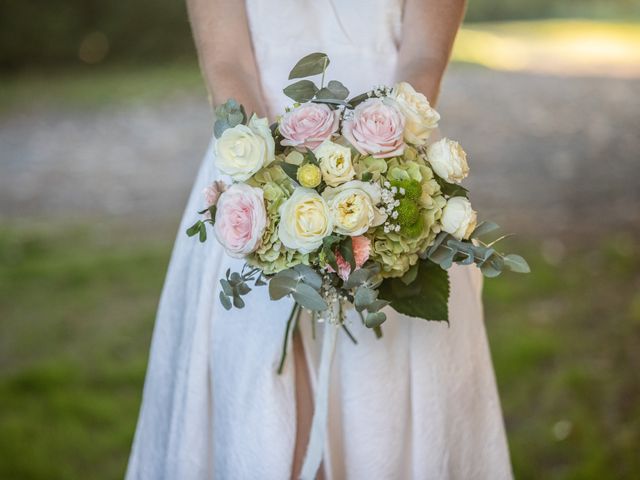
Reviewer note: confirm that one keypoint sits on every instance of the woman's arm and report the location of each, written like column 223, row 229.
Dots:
column 428, row 31
column 221, row 34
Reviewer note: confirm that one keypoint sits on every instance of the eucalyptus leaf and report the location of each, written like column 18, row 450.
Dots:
column 226, row 287
column 484, row 228
column 338, row 89
column 364, row 297
column 238, row 302
column 374, row 319
column 301, row 91
column 516, row 263
column 243, row 288
column 235, row 278
column 225, row 301
column 312, row 64
column 309, row 276
column 308, row 297
column 281, row 286
column 377, row 305
column 357, row 278
column 493, row 266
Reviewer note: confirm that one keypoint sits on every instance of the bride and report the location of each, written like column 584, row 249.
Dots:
column 420, row 403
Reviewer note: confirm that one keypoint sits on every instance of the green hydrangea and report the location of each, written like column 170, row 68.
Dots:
column 377, row 167
column 398, row 251
column 272, row 256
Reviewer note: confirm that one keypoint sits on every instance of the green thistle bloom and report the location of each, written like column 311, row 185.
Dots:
column 407, row 212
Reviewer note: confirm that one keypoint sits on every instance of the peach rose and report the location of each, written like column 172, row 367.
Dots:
column 376, row 128
column 308, row 125
column 361, row 251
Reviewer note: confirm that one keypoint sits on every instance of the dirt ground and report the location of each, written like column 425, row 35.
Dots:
column 547, row 153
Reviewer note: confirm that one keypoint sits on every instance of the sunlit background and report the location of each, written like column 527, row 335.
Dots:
column 104, row 120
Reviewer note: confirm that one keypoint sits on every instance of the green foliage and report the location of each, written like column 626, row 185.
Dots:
column 412, row 188
column 235, row 285
column 228, row 115
column 312, row 64
column 301, row 91
column 425, row 298
column 302, row 283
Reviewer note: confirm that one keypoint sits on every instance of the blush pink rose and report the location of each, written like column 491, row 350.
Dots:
column 361, row 251
column 308, row 125
column 240, row 219
column 376, row 128
column 212, row 194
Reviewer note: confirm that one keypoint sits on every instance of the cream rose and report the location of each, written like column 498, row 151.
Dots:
column 353, row 207
column 420, row 118
column 448, row 160
column 458, row 218
column 244, row 149
column 335, row 163
column 304, row 221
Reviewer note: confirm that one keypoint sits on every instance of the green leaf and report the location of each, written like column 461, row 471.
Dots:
column 194, row 229
column 364, row 297
column 493, row 266
column 308, row 297
column 243, row 288
column 281, row 286
column 309, row 276
column 451, row 189
column 339, row 91
column 226, row 302
column 291, row 170
column 366, row 176
column 226, row 287
column 203, row 232
column 378, row 331
column 357, row 278
column 301, row 91
column 484, row 228
column 346, row 250
column 427, row 297
column 516, row 263
column 238, row 302
column 374, row 319
column 377, row 305
column 411, row 274
column 312, row 64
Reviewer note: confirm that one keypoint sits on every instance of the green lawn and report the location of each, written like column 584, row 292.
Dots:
column 77, row 307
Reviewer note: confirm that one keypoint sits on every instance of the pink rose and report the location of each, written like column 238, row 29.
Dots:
column 308, row 125
column 376, row 128
column 361, row 250
column 212, row 194
column 240, row 219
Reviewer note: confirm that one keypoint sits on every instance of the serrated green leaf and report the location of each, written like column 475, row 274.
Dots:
column 312, row 64
column 411, row 274
column 516, row 263
column 301, row 91
column 427, row 297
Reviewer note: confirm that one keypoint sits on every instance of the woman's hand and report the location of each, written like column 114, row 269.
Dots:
column 223, row 41
column 428, row 31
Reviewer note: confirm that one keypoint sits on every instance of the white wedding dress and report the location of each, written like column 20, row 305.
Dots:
column 421, row 403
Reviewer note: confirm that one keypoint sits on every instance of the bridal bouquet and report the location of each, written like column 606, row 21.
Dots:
column 345, row 202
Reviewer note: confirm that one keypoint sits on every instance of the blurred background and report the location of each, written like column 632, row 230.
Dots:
column 104, row 120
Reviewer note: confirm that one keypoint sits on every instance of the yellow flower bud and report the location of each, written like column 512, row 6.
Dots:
column 309, row 175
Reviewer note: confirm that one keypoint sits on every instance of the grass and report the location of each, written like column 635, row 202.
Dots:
column 77, row 309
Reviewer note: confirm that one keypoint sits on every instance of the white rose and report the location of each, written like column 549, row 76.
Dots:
column 244, row 149
column 353, row 207
column 420, row 118
column 335, row 163
column 304, row 221
column 448, row 160
column 458, row 218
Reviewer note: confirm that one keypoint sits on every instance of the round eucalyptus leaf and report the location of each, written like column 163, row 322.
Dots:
column 516, row 263
column 225, row 301
column 238, row 302
column 374, row 319
column 364, row 297
column 307, row 297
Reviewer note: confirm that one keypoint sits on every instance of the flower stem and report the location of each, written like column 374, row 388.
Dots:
column 294, row 315
column 349, row 334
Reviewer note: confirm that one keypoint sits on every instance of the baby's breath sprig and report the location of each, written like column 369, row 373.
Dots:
column 390, row 203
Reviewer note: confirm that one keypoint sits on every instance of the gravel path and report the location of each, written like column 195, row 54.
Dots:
column 547, row 153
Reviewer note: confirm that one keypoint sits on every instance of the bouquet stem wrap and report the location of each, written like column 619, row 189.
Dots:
column 318, row 434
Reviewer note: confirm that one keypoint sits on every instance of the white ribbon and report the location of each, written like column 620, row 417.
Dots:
column 318, row 434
